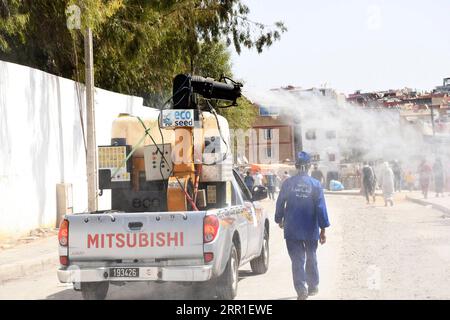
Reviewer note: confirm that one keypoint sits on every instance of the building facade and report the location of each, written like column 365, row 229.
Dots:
column 271, row 138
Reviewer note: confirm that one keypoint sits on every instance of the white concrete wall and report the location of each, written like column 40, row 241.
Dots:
column 41, row 143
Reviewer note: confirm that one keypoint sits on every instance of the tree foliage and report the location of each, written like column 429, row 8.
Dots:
column 138, row 45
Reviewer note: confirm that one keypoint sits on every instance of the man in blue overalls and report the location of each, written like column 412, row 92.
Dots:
column 301, row 211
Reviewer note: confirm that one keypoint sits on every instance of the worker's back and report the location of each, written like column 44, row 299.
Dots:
column 301, row 200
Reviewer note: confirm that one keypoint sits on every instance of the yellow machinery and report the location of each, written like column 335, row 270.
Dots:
column 163, row 154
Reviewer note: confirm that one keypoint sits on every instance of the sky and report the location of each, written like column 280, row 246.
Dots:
column 350, row 45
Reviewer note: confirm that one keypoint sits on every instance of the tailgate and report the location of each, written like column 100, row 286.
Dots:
column 119, row 236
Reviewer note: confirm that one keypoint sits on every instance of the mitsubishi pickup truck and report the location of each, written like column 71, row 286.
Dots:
column 204, row 249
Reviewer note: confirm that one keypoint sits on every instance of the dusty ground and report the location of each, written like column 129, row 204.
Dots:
column 372, row 252
column 391, row 253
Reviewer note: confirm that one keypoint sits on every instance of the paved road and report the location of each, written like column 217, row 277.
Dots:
column 372, row 252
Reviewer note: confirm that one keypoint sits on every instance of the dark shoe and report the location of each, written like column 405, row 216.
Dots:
column 302, row 296
column 312, row 291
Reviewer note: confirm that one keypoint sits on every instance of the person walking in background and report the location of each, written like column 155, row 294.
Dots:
column 317, row 174
column 438, row 171
column 271, row 184
column 249, row 181
column 424, row 177
column 278, row 183
column 410, row 180
column 302, row 212
column 258, row 179
column 387, row 184
column 285, row 177
column 397, row 169
column 369, row 181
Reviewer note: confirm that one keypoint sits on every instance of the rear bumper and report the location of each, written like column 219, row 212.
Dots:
column 176, row 273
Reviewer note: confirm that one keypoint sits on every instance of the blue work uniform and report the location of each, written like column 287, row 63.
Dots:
column 301, row 204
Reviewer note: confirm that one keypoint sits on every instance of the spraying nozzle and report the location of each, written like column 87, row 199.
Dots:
column 184, row 85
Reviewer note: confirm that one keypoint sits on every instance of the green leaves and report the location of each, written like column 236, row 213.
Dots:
column 12, row 23
column 242, row 116
column 139, row 46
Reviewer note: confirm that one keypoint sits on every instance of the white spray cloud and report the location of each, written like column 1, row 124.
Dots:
column 375, row 132
column 374, row 18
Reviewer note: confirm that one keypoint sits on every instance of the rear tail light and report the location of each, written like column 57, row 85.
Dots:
column 210, row 228
column 63, row 234
column 208, row 256
column 63, row 260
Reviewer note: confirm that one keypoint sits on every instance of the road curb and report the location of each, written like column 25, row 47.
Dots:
column 348, row 193
column 426, row 203
column 28, row 267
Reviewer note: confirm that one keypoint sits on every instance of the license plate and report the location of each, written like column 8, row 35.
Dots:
column 124, row 272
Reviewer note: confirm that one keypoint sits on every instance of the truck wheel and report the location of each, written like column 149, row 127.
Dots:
column 261, row 264
column 228, row 282
column 94, row 290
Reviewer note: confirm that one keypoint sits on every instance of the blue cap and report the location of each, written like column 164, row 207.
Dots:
column 303, row 158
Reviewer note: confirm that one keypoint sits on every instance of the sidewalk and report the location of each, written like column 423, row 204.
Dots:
column 442, row 203
column 27, row 259
column 351, row 192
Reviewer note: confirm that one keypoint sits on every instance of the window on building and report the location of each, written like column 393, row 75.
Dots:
column 310, row 134
column 267, row 111
column 268, row 134
column 331, row 134
column 331, row 157
column 315, row 157
column 268, row 152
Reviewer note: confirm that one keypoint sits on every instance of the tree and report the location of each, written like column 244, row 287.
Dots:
column 214, row 60
column 12, row 23
column 138, row 45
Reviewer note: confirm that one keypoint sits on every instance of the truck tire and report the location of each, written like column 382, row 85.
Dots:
column 94, row 290
column 227, row 284
column 260, row 265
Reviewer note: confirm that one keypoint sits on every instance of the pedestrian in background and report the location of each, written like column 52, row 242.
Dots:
column 302, row 212
column 249, row 181
column 278, row 183
column 271, row 184
column 317, row 174
column 258, row 179
column 387, row 184
column 425, row 173
column 410, row 180
column 369, row 182
column 285, row 177
column 397, row 169
column 438, row 171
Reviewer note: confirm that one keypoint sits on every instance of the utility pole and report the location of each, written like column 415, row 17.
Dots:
column 91, row 155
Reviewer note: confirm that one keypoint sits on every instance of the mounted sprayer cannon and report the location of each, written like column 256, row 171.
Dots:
column 177, row 159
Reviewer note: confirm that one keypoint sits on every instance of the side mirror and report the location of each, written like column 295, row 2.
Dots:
column 259, row 193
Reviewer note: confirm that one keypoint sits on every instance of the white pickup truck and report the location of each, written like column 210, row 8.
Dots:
column 198, row 248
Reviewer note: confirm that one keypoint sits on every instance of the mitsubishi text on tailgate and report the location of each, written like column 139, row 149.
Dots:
column 197, row 248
